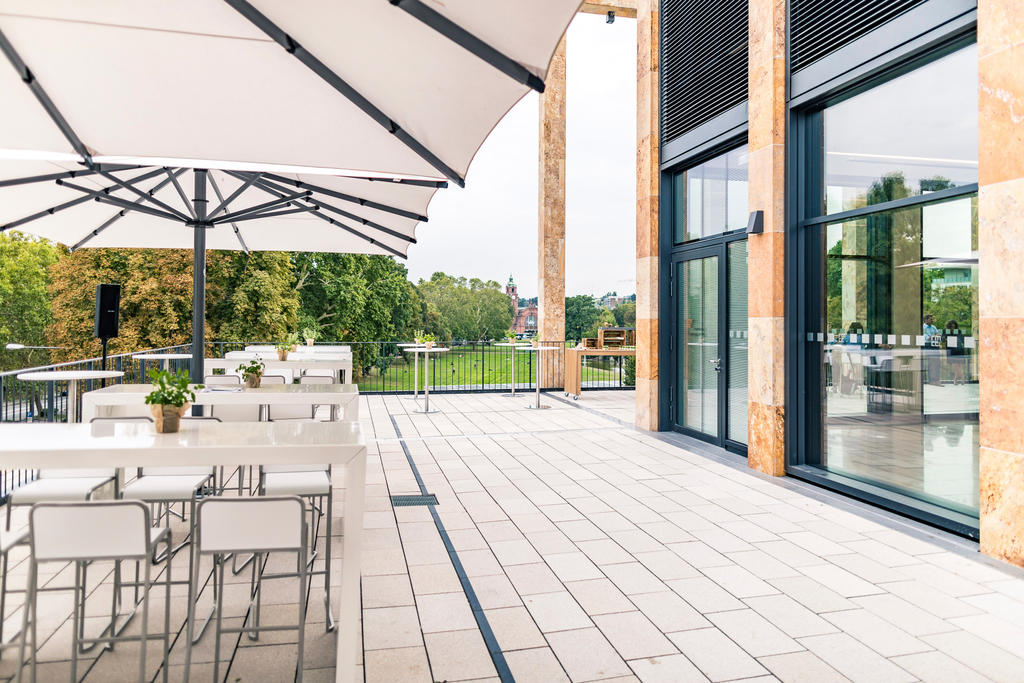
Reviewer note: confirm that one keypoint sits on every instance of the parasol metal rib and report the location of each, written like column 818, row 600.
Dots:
column 125, row 204
column 280, row 201
column 122, row 213
column 262, row 22
column 370, row 204
column 474, row 45
column 131, row 188
column 80, row 173
column 234, row 195
column 220, row 198
column 181, row 192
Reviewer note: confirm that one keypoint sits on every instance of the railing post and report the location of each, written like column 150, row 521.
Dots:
column 50, row 403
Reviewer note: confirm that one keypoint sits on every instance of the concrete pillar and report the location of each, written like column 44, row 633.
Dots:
column 551, row 184
column 648, row 160
column 766, row 143
column 1001, row 262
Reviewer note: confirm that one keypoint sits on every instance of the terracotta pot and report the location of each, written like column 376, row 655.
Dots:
column 295, row 346
column 253, row 381
column 167, row 418
column 429, row 345
column 282, row 354
column 309, row 342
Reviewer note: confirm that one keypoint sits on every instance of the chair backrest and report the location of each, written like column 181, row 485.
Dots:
column 94, row 530
column 272, row 379
column 316, row 379
column 261, row 348
column 123, row 418
column 260, row 524
column 238, row 355
column 222, row 379
column 319, row 372
column 295, row 468
column 76, row 474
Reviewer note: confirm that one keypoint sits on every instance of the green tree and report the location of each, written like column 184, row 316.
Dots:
column 605, row 318
column 625, row 314
column 469, row 309
column 251, row 297
column 580, row 315
column 24, row 301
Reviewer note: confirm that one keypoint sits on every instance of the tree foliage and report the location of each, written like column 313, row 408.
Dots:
column 24, row 301
column 580, row 316
column 625, row 314
column 469, row 309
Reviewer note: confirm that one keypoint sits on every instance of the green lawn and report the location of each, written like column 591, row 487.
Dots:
column 474, row 366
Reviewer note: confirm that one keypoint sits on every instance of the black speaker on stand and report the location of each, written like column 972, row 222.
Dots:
column 108, row 305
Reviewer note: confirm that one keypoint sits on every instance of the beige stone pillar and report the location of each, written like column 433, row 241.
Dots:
column 1001, row 265
column 648, row 160
column 766, row 143
column 551, row 223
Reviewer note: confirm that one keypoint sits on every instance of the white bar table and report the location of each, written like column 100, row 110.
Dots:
column 540, row 350
column 514, row 346
column 229, row 444
column 72, row 377
column 342, row 398
column 415, row 369
column 336, row 363
column 165, row 357
column 426, row 371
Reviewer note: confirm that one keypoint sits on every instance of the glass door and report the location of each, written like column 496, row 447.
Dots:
column 710, row 343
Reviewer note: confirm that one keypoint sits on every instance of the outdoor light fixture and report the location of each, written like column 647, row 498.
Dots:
column 755, row 223
column 610, row 19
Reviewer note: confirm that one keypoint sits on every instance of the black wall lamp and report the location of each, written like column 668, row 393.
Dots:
column 755, row 223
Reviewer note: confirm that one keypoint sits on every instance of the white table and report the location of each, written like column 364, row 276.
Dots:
column 342, row 364
column 539, row 349
column 415, row 369
column 514, row 346
column 200, row 443
column 165, row 357
column 416, row 350
column 322, row 348
column 72, row 377
column 342, row 398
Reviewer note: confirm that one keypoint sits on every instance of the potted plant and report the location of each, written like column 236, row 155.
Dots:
column 534, row 342
column 428, row 340
column 169, row 399
column 292, row 340
column 417, row 336
column 252, row 371
column 310, row 335
column 511, row 338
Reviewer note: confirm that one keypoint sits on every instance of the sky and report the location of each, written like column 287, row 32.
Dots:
column 489, row 229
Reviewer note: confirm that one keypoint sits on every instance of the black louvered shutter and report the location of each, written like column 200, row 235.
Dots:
column 818, row 27
column 703, row 61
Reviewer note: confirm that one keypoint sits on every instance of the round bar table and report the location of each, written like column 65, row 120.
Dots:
column 514, row 345
column 539, row 349
column 72, row 377
column 165, row 357
column 415, row 368
column 426, row 371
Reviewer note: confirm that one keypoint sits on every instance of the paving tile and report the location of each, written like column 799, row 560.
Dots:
column 669, row 612
column 573, row 566
column 754, row 633
column 479, row 563
column 739, row 581
column 550, row 542
column 978, row 654
column 495, row 591
column 667, row 565
column 514, row 628
column 814, row 543
column 855, row 660
column 633, row 635
column 841, row 581
column 882, row 553
column 581, row 530
column 537, row 665
column 705, row 595
column 790, row 553
column 518, row 551
column 432, row 578
column 721, row 540
column 425, row 552
column 933, row 601
column 633, row 578
column 387, row 591
column 397, row 664
column 604, row 551
column 936, row 667
column 445, row 612
column 458, row 655
column 879, row 635
column 391, row 627
column 999, row 605
column 556, row 612
column 599, row 596
column 902, row 614
column 586, row 655
column 529, row 579
column 790, row 616
column 995, row 630
column 762, row 565
column 700, row 554
column 715, row 655
column 801, row 667
column 944, row 580
column 666, row 669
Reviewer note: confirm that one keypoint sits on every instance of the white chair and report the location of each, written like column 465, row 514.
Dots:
column 299, row 412
column 8, row 540
column 83, row 533
column 275, row 379
column 234, row 526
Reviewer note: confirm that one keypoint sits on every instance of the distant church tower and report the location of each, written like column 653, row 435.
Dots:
column 513, row 293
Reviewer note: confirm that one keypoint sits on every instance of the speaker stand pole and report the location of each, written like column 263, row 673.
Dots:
column 103, row 365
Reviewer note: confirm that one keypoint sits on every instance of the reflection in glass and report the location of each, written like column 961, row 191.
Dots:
column 698, row 361
column 737, row 341
column 712, row 196
column 915, row 134
column 899, row 350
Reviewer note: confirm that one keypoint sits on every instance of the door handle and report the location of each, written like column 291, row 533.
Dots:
column 717, row 362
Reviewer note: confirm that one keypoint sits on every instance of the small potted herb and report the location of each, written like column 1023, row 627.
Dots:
column 169, row 399
column 292, row 340
column 310, row 334
column 252, row 371
column 417, row 336
column 428, row 340
column 511, row 338
column 283, row 349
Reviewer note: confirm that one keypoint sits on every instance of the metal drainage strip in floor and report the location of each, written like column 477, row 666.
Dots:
column 408, row 501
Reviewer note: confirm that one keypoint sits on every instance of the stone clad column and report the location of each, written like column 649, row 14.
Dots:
column 551, row 223
column 648, row 160
column 1001, row 266
column 766, row 265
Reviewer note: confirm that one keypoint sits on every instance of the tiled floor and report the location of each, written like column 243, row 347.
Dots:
column 585, row 550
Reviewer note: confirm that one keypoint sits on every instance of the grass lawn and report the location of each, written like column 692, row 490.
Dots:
column 476, row 367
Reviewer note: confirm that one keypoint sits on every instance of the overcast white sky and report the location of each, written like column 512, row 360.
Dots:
column 489, row 229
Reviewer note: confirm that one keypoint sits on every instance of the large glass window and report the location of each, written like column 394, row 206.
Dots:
column 892, row 348
column 713, row 197
column 915, row 134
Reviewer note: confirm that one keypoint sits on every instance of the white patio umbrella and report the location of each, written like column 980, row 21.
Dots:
column 320, row 125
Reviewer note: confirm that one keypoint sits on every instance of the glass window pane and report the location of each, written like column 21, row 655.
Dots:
column 711, row 198
column 900, row 354
column 915, row 134
column 698, row 348
column 737, row 341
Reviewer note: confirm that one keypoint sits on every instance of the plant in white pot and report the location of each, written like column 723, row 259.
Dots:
column 252, row 371
column 169, row 399
column 428, row 340
column 310, row 334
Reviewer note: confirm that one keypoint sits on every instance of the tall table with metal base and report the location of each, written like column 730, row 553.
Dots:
column 72, row 377
column 415, row 368
column 539, row 350
column 426, row 371
column 512, row 393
